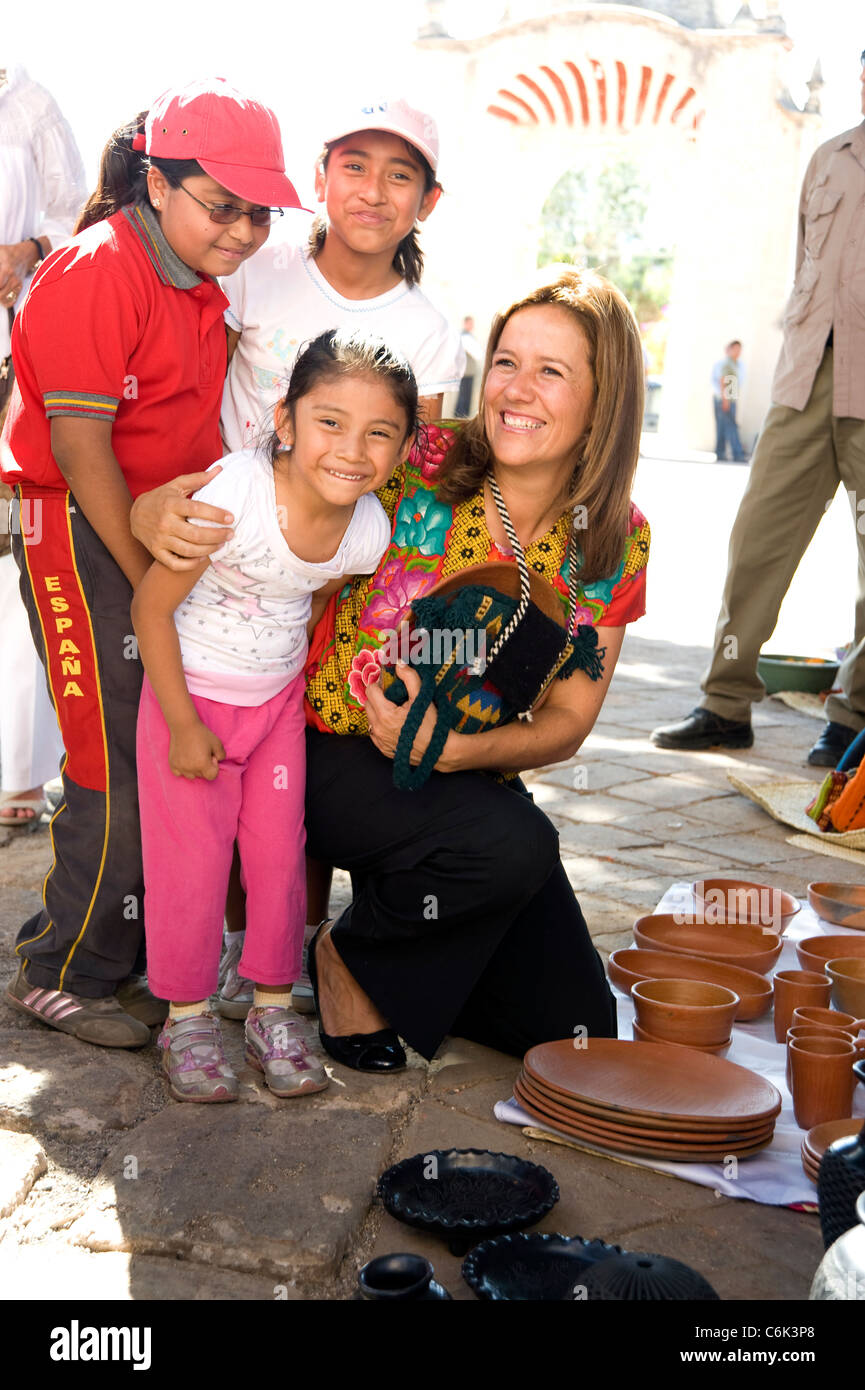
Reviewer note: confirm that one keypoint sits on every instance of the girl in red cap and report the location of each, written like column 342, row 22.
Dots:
column 120, row 357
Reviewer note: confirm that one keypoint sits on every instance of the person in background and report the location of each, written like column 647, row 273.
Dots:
column 474, row 358
column 120, row 358
column 41, row 190
column 728, row 376
column 813, row 439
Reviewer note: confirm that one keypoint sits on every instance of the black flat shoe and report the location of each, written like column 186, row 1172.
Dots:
column 832, row 743
column 376, row 1052
column 703, row 729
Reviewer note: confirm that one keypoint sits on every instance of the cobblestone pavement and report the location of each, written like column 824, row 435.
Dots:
column 110, row 1188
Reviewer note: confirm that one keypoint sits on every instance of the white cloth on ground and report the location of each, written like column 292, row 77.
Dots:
column 775, row 1175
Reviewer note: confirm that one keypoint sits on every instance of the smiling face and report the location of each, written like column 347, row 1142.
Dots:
column 373, row 189
column 347, row 436
column 539, row 391
column 210, row 248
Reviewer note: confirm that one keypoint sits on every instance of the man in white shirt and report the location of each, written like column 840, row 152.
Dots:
column 41, row 191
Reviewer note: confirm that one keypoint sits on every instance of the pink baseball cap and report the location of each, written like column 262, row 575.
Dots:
column 396, row 118
column 235, row 140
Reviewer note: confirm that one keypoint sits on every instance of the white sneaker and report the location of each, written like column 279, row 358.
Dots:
column 302, row 1000
column 234, row 998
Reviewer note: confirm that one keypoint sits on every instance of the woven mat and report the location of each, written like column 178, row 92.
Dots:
column 826, row 846
column 786, row 802
column 803, row 701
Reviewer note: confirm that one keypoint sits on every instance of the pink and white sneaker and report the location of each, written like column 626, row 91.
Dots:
column 275, row 1045
column 194, row 1062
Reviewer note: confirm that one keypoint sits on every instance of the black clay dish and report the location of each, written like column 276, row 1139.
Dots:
column 533, row 1268
column 467, row 1195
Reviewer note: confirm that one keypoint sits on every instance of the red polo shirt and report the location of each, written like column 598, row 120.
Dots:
column 116, row 327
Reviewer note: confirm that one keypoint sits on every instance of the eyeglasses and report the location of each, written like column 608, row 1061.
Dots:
column 225, row 213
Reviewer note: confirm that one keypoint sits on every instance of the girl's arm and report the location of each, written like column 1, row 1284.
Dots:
column 557, row 730
column 83, row 453
column 194, row 751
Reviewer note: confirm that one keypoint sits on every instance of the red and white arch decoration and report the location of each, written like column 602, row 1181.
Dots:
column 615, row 95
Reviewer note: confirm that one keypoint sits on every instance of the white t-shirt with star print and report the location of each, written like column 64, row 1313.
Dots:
column 242, row 628
column 279, row 300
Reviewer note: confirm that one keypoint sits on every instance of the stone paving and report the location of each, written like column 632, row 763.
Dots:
column 112, row 1189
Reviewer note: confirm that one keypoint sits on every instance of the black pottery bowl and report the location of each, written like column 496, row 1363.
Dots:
column 467, row 1195
column 539, row 1267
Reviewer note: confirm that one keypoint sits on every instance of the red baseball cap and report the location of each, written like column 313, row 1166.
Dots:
column 235, row 140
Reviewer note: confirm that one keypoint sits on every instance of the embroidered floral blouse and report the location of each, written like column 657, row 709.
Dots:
column 430, row 541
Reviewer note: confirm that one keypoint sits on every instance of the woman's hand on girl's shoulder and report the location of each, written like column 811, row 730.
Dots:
column 195, row 751
column 159, row 521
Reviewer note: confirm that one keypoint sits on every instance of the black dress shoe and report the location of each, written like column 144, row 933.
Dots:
column 703, row 729
column 833, row 741
column 380, row 1051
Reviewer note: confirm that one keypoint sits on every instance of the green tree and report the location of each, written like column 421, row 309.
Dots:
column 595, row 217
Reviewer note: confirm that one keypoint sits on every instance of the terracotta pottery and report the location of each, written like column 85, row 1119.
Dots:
column 650, row 1078
column 754, row 948
column 847, row 974
column 698, row 1128
column 717, row 1049
column 794, row 988
column 822, row 1079
column 832, row 1019
column 818, row 1139
column 743, row 1134
column 646, row 1148
column 818, row 1030
column 626, row 968
column 840, row 903
column 737, row 900
column 814, row 951
column 685, row 1011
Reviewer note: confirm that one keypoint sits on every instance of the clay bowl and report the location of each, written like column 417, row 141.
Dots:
column 809, row 1167
column 814, row 951
column 847, row 974
column 626, row 968
column 752, row 948
column 841, row 903
column 818, row 1139
column 737, row 900
column 719, row 1049
column 692, row 1012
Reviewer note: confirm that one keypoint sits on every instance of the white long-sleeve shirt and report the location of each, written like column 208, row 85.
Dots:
column 42, row 186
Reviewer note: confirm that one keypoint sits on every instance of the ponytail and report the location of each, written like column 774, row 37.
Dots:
column 123, row 174
column 408, row 257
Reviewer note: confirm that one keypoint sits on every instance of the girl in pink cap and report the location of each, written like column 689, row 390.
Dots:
column 120, row 358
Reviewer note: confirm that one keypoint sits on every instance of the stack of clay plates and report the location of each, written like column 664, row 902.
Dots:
column 818, row 1139
column 651, row 1100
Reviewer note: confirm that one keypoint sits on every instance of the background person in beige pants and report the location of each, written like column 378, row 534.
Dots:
column 812, row 440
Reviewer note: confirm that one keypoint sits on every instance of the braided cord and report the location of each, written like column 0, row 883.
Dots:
column 519, row 556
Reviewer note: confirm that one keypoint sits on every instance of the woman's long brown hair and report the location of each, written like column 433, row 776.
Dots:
column 606, row 459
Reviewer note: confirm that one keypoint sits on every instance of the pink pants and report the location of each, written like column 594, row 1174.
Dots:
column 188, row 831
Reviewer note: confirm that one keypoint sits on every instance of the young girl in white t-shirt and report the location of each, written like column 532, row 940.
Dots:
column 359, row 269
column 221, row 750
